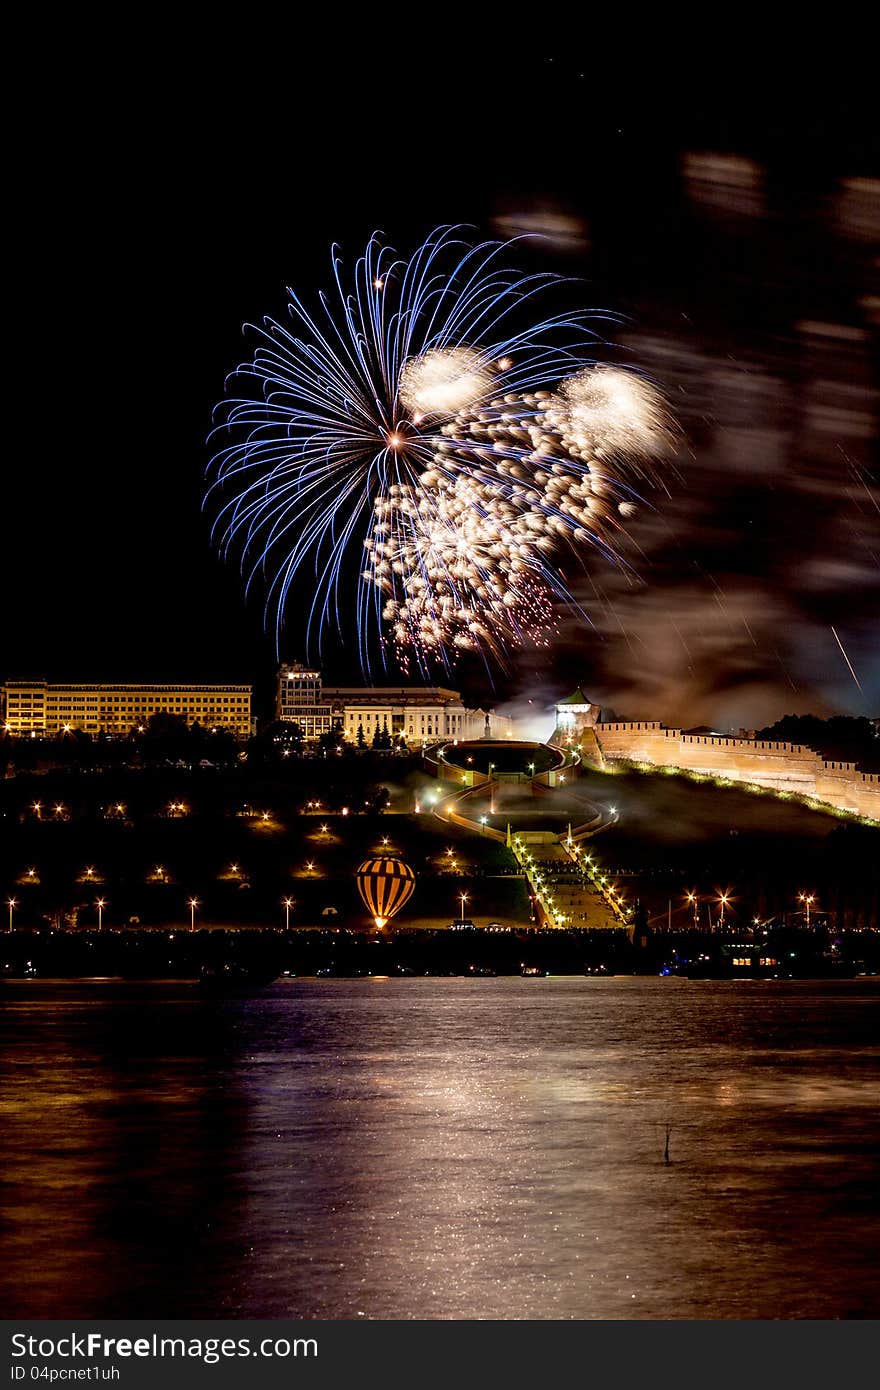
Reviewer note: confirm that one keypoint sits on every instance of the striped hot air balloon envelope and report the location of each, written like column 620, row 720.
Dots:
column 385, row 885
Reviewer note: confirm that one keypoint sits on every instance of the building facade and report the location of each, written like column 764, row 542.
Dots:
column 299, row 700
column 40, row 707
column 419, row 714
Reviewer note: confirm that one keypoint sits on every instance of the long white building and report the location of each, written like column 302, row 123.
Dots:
column 42, row 707
column 419, row 714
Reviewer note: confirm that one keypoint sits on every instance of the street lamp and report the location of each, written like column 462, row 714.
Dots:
column 13, row 903
column 694, row 902
column 807, row 899
column 193, row 904
column 724, row 900
column 288, row 904
column 464, row 898
column 100, row 904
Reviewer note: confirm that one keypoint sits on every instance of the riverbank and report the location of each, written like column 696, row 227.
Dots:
column 181, row 954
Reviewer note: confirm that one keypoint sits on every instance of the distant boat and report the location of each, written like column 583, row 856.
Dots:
column 533, row 970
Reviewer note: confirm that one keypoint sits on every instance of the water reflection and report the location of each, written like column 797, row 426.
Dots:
column 445, row 1149
column 121, row 1124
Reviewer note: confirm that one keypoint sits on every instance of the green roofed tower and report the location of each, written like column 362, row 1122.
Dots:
column 576, row 718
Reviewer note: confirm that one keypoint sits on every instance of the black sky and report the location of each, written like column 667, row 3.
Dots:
column 167, row 190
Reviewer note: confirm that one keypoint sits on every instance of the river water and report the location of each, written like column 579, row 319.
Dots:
column 442, row 1148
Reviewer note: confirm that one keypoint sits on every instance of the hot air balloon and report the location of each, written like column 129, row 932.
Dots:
column 385, row 885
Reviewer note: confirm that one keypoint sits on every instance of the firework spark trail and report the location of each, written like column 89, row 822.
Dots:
column 464, row 453
column 846, row 659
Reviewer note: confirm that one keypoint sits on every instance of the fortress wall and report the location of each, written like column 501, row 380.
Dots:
column 640, row 743
column 784, row 767
column 781, row 766
column 842, row 785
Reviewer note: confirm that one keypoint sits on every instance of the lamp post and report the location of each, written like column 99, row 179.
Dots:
column 694, row 902
column 193, row 904
column 807, row 899
column 100, row 904
column 723, row 899
column 13, row 904
column 288, row 904
column 464, row 898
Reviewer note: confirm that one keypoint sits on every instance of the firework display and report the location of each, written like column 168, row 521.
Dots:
column 432, row 420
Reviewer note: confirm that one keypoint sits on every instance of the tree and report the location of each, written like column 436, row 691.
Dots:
column 361, row 740
column 376, row 798
column 841, row 738
column 331, row 741
column 288, row 735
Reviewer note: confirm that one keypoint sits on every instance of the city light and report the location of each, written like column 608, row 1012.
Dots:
column 807, row 899
column 723, row 899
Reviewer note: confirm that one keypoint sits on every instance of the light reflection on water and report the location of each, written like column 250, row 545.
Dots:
column 442, row 1149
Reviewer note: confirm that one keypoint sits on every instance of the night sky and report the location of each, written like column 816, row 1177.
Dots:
column 176, row 192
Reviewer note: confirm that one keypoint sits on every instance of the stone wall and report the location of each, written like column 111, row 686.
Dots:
column 783, row 767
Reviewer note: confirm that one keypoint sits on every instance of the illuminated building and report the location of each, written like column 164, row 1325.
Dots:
column 40, row 707
column 299, row 700
column 416, row 713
